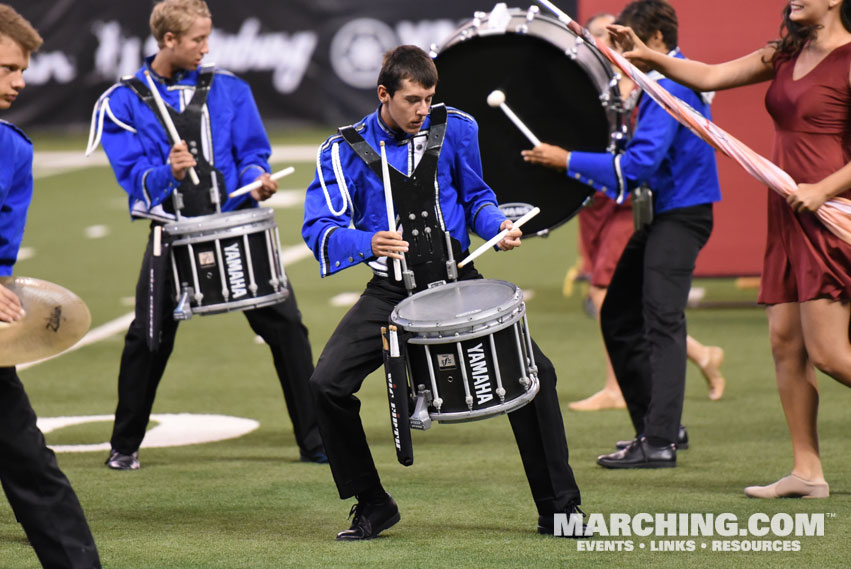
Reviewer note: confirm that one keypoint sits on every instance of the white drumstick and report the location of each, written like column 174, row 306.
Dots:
column 500, row 236
column 257, row 183
column 169, row 124
column 388, row 201
column 497, row 99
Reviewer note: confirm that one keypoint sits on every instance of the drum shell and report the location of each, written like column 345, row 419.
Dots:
column 227, row 253
column 488, row 349
column 560, row 88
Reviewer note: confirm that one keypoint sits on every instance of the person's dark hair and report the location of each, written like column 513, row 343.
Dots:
column 407, row 62
column 18, row 29
column 646, row 17
column 794, row 35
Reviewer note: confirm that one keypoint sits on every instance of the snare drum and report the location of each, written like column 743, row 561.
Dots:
column 227, row 261
column 469, row 351
column 562, row 89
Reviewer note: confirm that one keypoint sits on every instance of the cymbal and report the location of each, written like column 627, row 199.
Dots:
column 55, row 320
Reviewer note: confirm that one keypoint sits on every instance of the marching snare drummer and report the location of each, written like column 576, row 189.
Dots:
column 345, row 223
column 225, row 144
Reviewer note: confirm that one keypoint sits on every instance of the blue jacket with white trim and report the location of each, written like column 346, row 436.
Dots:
column 16, row 191
column 344, row 205
column 677, row 165
column 234, row 140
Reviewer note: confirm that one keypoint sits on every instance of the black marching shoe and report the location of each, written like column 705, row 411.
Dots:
column 682, row 440
column 118, row 461
column 546, row 524
column 370, row 519
column 317, row 456
column 640, row 454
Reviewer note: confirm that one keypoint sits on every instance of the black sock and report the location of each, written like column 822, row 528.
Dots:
column 657, row 442
column 373, row 495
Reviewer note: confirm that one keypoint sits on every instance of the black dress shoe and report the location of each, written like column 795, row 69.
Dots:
column 318, row 456
column 546, row 524
column 370, row 519
column 682, row 440
column 640, row 454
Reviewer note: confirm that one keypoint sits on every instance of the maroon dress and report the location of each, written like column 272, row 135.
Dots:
column 812, row 119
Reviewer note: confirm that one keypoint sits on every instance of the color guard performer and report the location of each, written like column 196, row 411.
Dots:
column 434, row 151
column 223, row 146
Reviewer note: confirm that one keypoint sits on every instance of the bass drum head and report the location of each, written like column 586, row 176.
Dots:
column 551, row 93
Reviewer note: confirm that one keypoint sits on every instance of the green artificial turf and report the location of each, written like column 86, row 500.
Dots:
column 248, row 502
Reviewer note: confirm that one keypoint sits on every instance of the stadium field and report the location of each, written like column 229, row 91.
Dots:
column 248, row 503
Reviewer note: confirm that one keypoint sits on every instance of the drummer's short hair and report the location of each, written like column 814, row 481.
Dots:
column 407, row 62
column 18, row 29
column 646, row 17
column 176, row 16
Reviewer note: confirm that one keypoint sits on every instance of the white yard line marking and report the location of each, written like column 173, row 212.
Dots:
column 289, row 256
column 51, row 163
column 344, row 299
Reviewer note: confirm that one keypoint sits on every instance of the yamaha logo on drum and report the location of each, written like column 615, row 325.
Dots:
column 515, row 210
column 236, row 273
column 481, row 374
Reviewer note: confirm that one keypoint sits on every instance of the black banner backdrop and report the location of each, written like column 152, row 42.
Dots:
column 310, row 61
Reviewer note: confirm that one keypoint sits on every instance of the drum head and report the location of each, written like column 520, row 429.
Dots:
column 550, row 92
column 457, row 305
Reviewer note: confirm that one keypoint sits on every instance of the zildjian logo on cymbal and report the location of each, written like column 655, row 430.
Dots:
column 54, row 320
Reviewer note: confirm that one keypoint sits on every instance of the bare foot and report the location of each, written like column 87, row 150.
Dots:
column 603, row 399
column 710, row 367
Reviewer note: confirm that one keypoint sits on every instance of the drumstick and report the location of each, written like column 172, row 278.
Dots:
column 388, row 201
column 257, row 183
column 500, row 236
column 169, row 124
column 497, row 99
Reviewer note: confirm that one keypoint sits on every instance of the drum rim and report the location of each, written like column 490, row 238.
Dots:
column 506, row 313
column 528, row 30
column 488, row 412
column 247, row 304
column 219, row 221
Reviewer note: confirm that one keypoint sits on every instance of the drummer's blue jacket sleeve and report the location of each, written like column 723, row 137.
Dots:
column 618, row 174
column 16, row 190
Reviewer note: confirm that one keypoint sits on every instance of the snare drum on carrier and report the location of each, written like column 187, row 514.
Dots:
column 226, row 261
column 469, row 351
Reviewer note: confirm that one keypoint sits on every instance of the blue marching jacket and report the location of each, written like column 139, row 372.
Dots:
column 678, row 166
column 233, row 138
column 16, row 191
column 344, row 205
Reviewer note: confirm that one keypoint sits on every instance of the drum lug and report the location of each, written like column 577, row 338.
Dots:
column 501, row 392
column 469, row 401
column 420, row 418
column 183, row 311
column 408, row 279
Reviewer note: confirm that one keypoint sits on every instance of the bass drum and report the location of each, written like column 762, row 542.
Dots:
column 562, row 89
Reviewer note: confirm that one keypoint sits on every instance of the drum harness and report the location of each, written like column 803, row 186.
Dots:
column 189, row 200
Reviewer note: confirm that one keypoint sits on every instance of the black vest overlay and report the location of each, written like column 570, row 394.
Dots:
column 189, row 199
column 415, row 199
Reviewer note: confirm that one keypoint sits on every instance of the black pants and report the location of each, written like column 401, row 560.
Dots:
column 41, row 496
column 643, row 318
column 354, row 351
column 279, row 325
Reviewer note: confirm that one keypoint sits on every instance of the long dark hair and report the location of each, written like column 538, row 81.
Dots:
column 793, row 35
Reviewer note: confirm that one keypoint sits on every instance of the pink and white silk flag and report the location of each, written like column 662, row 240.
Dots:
column 835, row 214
